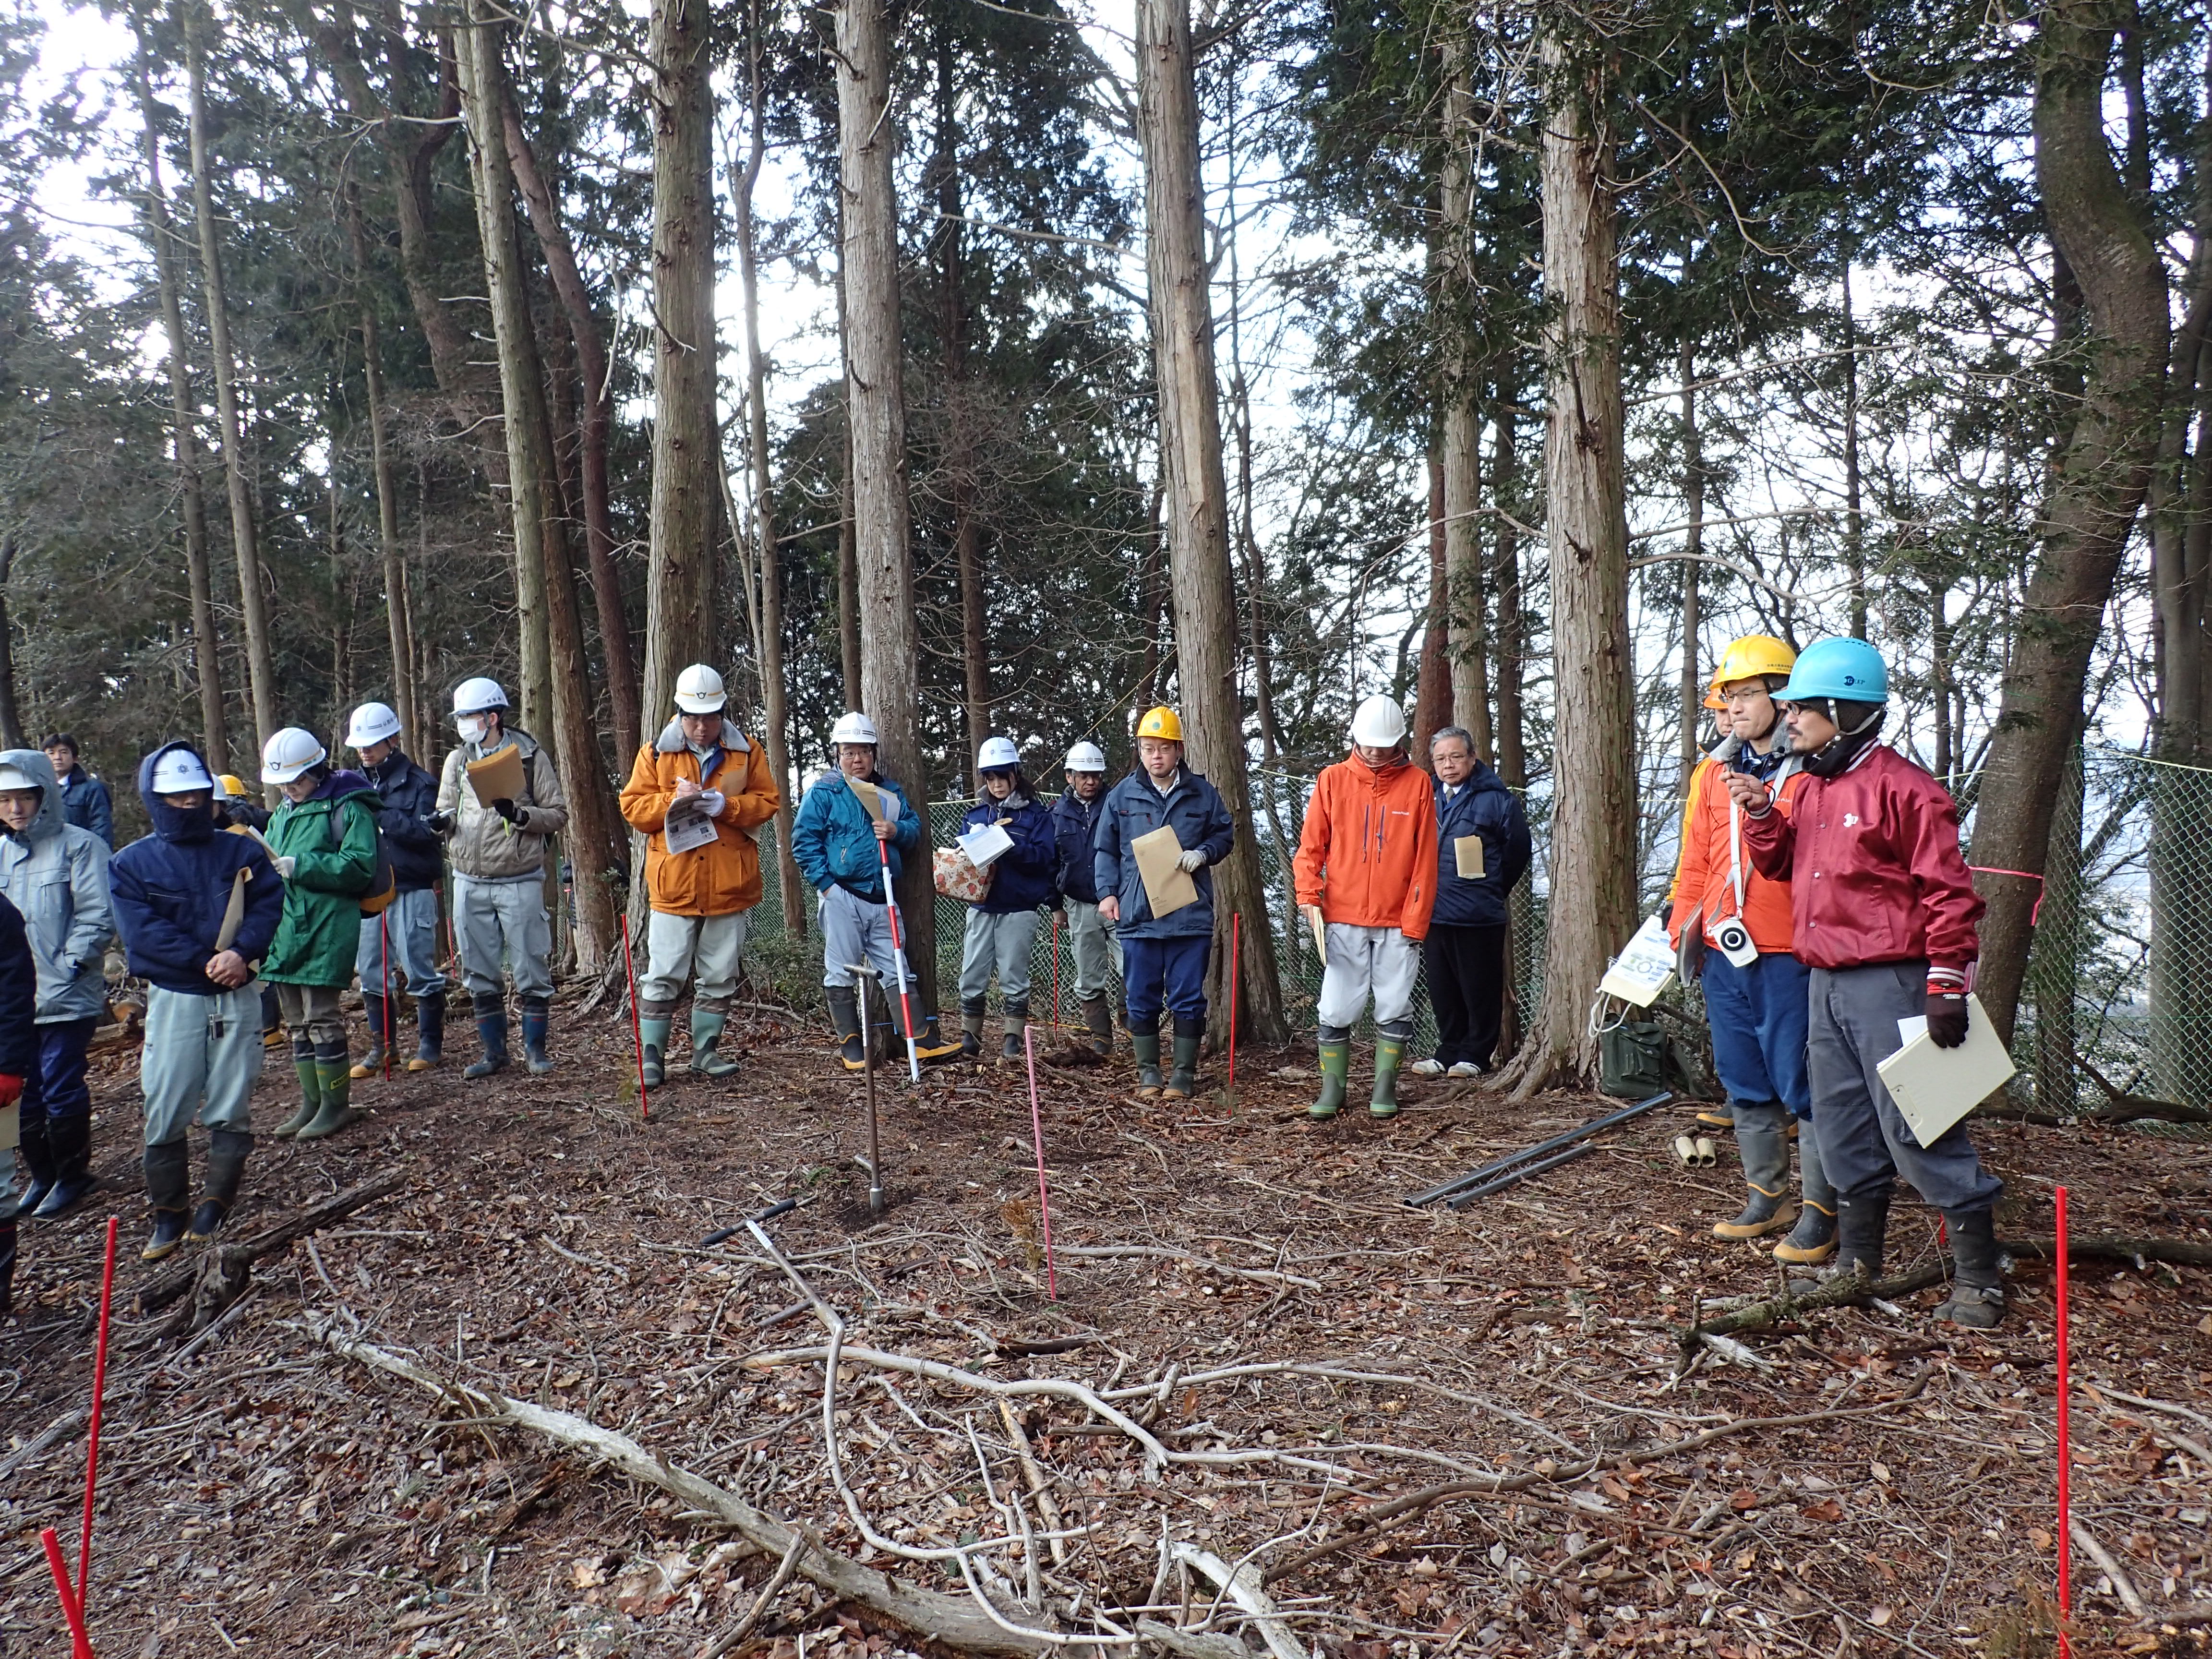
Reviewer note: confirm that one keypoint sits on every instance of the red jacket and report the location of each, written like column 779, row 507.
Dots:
column 1874, row 870
column 1368, row 853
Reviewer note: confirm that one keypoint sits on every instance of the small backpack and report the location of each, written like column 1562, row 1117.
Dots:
column 383, row 885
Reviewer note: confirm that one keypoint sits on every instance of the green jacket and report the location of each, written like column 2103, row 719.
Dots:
column 321, row 931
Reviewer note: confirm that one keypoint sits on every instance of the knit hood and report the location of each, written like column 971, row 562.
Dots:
column 171, row 823
column 34, row 765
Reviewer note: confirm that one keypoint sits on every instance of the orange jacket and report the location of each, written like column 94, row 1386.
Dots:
column 721, row 878
column 1368, row 854
column 1703, row 883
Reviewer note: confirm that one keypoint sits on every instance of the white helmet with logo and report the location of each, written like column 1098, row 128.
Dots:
column 699, row 690
column 476, row 695
column 1085, row 758
column 1379, row 723
column 180, row 771
column 998, row 755
column 853, row 728
column 372, row 723
column 289, row 753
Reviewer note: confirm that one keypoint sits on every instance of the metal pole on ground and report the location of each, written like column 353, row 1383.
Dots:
column 867, row 973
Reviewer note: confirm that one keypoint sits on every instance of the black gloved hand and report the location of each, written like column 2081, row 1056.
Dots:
column 507, row 809
column 1946, row 1016
column 441, row 823
column 1690, row 953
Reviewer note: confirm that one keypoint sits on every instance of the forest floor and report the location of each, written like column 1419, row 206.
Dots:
column 264, row 1494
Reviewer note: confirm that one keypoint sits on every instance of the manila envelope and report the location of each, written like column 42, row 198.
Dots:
column 871, row 796
column 1467, row 849
column 497, row 776
column 1167, row 889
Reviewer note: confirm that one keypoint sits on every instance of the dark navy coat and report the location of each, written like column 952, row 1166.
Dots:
column 86, row 803
column 1022, row 876
column 19, row 995
column 409, row 795
column 1074, row 832
column 170, row 890
column 1195, row 809
column 1485, row 807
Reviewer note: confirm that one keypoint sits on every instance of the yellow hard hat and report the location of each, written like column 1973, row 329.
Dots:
column 1161, row 723
column 232, row 786
column 1752, row 657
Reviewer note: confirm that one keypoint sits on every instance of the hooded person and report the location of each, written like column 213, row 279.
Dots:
column 398, row 950
column 1090, row 938
column 196, row 911
column 323, row 840
column 704, row 783
column 1366, row 878
column 19, row 1056
column 56, row 874
column 1001, row 930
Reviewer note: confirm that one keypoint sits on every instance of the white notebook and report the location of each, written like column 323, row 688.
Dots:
column 1644, row 967
column 1933, row 1087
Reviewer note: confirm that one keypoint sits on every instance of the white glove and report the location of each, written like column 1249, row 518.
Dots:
column 1193, row 860
column 714, row 801
column 284, row 863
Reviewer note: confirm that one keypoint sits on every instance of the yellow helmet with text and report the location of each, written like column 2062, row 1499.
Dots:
column 1163, row 723
column 1755, row 656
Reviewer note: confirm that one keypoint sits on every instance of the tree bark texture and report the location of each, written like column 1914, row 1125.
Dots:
column 254, row 607
column 11, row 717
column 1693, row 544
column 875, row 401
column 1432, row 700
column 1594, row 819
column 2096, row 486
column 387, row 498
column 1196, row 505
column 1462, row 424
column 1512, row 644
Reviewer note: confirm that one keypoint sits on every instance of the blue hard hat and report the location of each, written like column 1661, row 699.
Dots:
column 1845, row 668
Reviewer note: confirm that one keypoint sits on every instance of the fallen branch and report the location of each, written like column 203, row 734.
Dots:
column 954, row 1621
column 230, row 1266
column 1384, row 1517
column 2123, row 1107
column 2123, row 1586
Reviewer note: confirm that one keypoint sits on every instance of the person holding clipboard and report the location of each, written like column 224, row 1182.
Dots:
column 696, row 793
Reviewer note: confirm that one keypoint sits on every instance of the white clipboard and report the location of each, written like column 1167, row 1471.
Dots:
column 1644, row 967
column 1933, row 1087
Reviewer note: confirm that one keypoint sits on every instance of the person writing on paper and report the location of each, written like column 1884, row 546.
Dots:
column 696, row 793
column 1731, row 931
column 1482, row 852
column 497, row 850
column 196, row 911
column 398, row 950
column 1164, row 957
column 1090, row 938
column 1365, row 876
column 1883, row 912
column 852, row 826
column 1002, row 925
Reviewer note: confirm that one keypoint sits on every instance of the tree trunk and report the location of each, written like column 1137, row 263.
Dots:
column 848, row 585
column 774, row 697
column 2095, row 489
column 387, row 499
column 207, row 639
column 11, row 718
column 1462, row 416
column 1432, row 686
column 1593, row 871
column 2054, row 965
column 260, row 664
column 875, row 400
column 1512, row 650
column 1854, row 509
column 544, row 574
column 956, row 407
column 1196, row 504
column 595, row 418
column 1693, row 543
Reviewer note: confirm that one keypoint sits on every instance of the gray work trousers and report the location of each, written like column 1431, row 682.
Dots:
column 1092, row 942
column 398, row 951
column 675, row 947
column 202, row 1056
column 492, row 919
column 1003, row 943
column 1865, row 1141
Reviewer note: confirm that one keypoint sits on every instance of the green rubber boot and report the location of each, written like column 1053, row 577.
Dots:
column 652, row 1037
column 706, row 1060
column 1182, row 1082
column 1389, row 1055
column 1335, row 1068
column 333, row 1071
column 311, row 1095
column 1148, row 1064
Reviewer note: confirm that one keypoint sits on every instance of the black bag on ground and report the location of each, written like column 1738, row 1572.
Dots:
column 1633, row 1060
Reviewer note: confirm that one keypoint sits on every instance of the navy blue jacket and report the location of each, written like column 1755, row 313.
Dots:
column 170, row 890
column 409, row 795
column 86, row 803
column 1193, row 809
column 19, row 995
column 1485, row 807
column 1074, row 832
column 1022, row 876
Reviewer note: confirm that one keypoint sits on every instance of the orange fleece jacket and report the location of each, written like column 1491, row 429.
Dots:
column 1368, row 853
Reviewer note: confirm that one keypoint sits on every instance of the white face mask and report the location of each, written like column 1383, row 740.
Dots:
column 472, row 728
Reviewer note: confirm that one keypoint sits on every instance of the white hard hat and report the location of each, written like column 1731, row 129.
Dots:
column 1379, row 723
column 853, row 728
column 1085, row 758
column 181, row 770
column 474, row 697
column 289, row 753
column 14, row 777
column 998, row 755
column 699, row 690
column 372, row 723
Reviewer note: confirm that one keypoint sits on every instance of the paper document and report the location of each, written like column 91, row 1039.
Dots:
column 1644, row 968
column 986, row 846
column 1320, row 931
column 233, row 913
column 497, row 776
column 1167, row 889
column 1467, row 849
column 684, row 832
column 11, row 1127
column 870, row 797
column 1933, row 1087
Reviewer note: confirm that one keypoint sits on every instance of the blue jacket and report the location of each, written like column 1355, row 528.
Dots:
column 86, row 803
column 833, row 839
column 1022, row 876
column 19, row 995
column 409, row 795
column 1485, row 807
column 1193, row 809
column 56, row 873
column 171, row 888
column 1074, row 832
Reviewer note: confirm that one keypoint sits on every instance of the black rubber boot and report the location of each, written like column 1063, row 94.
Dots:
column 1013, row 1021
column 844, row 1020
column 1182, row 1081
column 1098, row 1021
column 430, row 1033
column 1147, row 1045
column 379, row 1011
column 1762, row 1141
column 168, row 1190
column 536, row 1027
column 226, row 1168
column 6, row 1266
column 1977, row 1299
column 38, row 1159
column 1862, row 1225
column 491, row 1031
column 931, row 1045
column 70, row 1138
column 971, row 1030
